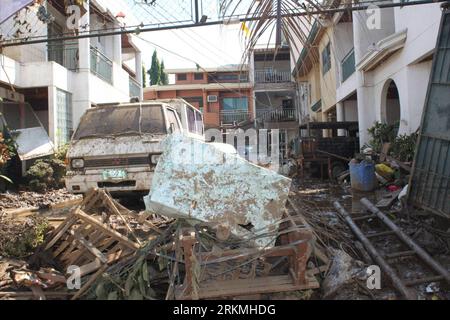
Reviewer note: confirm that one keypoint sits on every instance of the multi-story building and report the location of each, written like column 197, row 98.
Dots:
column 369, row 66
column 61, row 79
column 275, row 91
column 224, row 95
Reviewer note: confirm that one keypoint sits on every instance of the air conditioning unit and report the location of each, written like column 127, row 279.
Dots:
column 212, row 99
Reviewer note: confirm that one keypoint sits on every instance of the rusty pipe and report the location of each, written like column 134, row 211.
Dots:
column 407, row 240
column 396, row 281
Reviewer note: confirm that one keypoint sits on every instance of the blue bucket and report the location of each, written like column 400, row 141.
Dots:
column 362, row 176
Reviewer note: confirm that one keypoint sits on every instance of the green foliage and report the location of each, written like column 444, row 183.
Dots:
column 18, row 239
column 7, row 152
column 381, row 133
column 46, row 174
column 157, row 73
column 404, row 147
column 155, row 70
column 136, row 286
column 144, row 77
column 61, row 152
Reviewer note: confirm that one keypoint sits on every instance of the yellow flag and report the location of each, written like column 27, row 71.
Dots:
column 245, row 29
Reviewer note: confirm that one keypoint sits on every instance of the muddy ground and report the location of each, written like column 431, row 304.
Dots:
column 431, row 232
column 29, row 199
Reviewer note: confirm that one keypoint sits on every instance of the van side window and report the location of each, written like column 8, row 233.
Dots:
column 199, row 122
column 172, row 119
column 191, row 120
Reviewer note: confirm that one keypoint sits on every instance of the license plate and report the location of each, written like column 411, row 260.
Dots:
column 114, row 174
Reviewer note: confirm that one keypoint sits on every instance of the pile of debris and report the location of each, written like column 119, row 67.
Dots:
column 33, row 200
column 114, row 253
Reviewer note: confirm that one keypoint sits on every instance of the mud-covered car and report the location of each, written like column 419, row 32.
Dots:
column 118, row 146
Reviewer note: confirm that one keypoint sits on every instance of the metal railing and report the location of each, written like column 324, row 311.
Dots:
column 101, row 65
column 135, row 88
column 348, row 65
column 275, row 76
column 274, row 115
column 231, row 116
column 64, row 54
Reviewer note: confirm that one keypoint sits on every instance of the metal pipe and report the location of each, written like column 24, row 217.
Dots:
column 407, row 240
column 138, row 30
column 396, row 281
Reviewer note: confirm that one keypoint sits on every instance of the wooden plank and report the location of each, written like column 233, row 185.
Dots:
column 88, row 284
column 59, row 232
column 107, row 230
column 89, row 246
column 230, row 288
column 90, row 267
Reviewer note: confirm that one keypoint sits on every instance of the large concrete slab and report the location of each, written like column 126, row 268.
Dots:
column 212, row 183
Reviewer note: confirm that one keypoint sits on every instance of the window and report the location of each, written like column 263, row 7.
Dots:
column 108, row 121
column 64, row 116
column 326, row 59
column 172, row 119
column 198, row 76
column 199, row 122
column 235, row 104
column 182, row 77
column 191, row 119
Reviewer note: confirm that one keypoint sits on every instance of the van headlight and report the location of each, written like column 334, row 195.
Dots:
column 77, row 163
column 154, row 158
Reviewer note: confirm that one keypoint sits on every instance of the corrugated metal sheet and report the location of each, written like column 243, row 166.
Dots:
column 430, row 182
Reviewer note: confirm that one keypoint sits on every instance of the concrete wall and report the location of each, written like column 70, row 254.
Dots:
column 28, row 67
column 328, row 80
column 406, row 67
column 343, row 44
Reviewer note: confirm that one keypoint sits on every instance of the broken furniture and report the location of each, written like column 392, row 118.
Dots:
column 89, row 243
column 249, row 271
column 330, row 149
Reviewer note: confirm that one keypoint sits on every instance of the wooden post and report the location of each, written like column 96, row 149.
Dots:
column 187, row 243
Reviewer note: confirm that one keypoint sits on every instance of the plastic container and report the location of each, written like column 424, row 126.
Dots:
column 362, row 176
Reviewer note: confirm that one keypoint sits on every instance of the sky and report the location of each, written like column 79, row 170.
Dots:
column 209, row 46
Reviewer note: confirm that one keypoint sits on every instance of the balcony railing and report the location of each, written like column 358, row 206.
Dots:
column 135, row 88
column 65, row 55
column 275, row 76
column 348, row 65
column 101, row 65
column 231, row 116
column 275, row 115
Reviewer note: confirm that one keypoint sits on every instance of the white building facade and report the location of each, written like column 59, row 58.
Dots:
column 392, row 52
column 381, row 63
column 62, row 79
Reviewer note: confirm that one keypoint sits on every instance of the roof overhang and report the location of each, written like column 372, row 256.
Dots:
column 238, row 68
column 200, row 86
column 384, row 49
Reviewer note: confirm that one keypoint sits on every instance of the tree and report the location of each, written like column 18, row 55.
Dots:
column 155, row 70
column 163, row 78
column 144, row 76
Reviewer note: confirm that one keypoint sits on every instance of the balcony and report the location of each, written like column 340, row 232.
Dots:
column 348, row 65
column 274, row 76
column 101, row 65
column 276, row 115
column 231, row 116
column 66, row 55
column 135, row 88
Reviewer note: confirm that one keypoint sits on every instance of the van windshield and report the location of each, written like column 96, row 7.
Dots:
column 115, row 121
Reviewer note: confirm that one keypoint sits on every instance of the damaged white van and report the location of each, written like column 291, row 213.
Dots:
column 117, row 146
